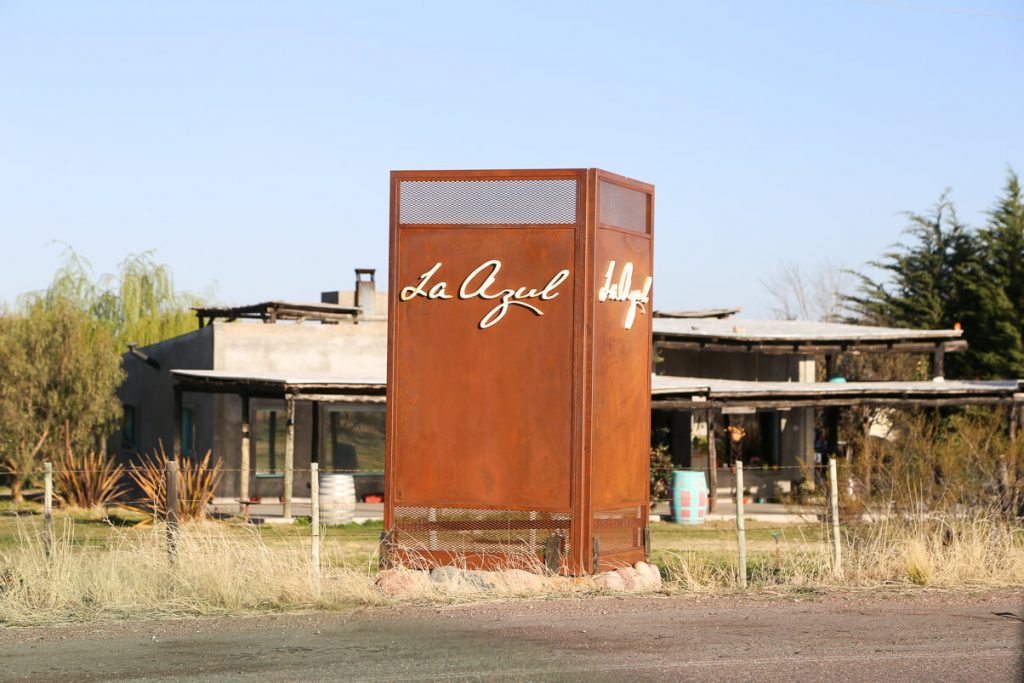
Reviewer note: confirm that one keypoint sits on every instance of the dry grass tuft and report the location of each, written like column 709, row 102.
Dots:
column 215, row 572
column 976, row 549
column 226, row 569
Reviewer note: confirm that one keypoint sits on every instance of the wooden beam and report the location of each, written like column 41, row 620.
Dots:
column 908, row 401
column 243, row 461
column 176, row 440
column 790, row 347
column 314, row 437
column 832, row 428
column 938, row 362
column 289, row 459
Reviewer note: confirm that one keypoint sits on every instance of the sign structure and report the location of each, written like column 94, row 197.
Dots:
column 519, row 360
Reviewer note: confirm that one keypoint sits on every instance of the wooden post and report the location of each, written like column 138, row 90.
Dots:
column 833, row 494
column 832, row 431
column 938, row 362
column 830, row 366
column 243, row 461
column 730, row 458
column 741, row 531
column 712, row 463
column 289, row 459
column 176, row 441
column 314, row 513
column 867, row 462
column 314, row 437
column 48, row 509
column 172, row 509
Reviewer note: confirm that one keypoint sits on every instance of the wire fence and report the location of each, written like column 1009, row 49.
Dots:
column 165, row 509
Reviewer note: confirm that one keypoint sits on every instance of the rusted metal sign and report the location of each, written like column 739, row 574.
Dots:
column 519, row 368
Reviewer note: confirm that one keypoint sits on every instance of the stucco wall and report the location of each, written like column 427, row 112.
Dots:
column 150, row 391
column 302, row 350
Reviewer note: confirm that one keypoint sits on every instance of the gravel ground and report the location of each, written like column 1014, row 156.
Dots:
column 870, row 636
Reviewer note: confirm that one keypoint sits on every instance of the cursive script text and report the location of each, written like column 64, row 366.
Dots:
column 622, row 291
column 482, row 284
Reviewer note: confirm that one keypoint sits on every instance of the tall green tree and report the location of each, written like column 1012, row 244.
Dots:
column 60, row 368
column 1003, row 245
column 945, row 275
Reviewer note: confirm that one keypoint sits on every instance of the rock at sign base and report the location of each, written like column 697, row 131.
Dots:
column 655, row 575
column 629, row 577
column 651, row 574
column 403, row 581
column 611, row 581
column 454, row 578
column 642, row 581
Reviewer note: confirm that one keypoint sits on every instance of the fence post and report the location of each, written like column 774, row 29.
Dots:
column 712, row 463
column 172, row 509
column 48, row 508
column 741, row 530
column 833, row 495
column 314, row 512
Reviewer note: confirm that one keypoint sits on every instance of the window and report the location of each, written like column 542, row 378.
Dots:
column 128, row 426
column 355, row 438
column 269, row 436
column 188, row 432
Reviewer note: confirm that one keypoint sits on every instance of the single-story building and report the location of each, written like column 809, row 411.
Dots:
column 271, row 387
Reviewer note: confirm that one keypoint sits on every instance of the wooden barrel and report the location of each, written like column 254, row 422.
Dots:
column 689, row 497
column 337, row 498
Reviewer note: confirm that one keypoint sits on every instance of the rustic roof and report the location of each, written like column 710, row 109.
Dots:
column 273, row 311
column 699, row 313
column 666, row 389
column 279, row 386
column 797, row 336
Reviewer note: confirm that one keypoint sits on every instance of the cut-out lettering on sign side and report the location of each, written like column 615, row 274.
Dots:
column 481, row 284
column 622, row 291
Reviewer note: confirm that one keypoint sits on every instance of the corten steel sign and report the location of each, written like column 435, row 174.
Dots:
column 519, row 368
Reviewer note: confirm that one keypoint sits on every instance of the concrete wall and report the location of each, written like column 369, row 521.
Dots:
column 302, row 351
column 150, row 391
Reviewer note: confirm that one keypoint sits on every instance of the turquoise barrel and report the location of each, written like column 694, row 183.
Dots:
column 689, row 497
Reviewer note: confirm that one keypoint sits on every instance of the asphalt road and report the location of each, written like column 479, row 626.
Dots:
column 849, row 637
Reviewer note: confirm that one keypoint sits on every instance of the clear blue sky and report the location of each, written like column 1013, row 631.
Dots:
column 249, row 143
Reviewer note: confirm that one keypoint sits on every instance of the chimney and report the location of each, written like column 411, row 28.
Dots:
column 366, row 291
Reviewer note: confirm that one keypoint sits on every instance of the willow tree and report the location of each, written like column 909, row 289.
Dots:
column 138, row 303
column 60, row 368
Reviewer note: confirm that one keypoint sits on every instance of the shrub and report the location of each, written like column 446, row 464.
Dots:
column 197, row 480
column 88, row 481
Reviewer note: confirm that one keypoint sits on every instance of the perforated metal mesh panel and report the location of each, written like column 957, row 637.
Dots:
column 476, row 531
column 620, row 530
column 467, row 202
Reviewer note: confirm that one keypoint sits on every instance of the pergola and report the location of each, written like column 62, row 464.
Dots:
column 711, row 395
column 272, row 311
column 317, row 390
